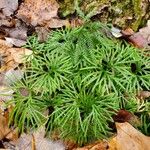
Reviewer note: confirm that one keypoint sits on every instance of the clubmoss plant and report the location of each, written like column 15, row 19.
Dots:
column 83, row 74
column 83, row 115
column 29, row 110
column 141, row 109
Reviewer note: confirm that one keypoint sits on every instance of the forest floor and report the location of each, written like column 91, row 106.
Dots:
column 18, row 21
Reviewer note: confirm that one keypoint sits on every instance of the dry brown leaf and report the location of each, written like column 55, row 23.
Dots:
column 5, row 131
column 146, row 32
column 38, row 142
column 41, row 12
column 15, row 42
column 98, row 145
column 18, row 54
column 4, row 45
column 126, row 116
column 3, row 33
column 128, row 138
column 56, row 23
column 76, row 22
column 11, row 76
column 143, row 95
column 13, row 29
column 127, row 32
column 6, row 21
column 42, row 33
column 6, row 60
column 11, row 57
column 139, row 39
column 19, row 31
column 5, row 93
column 8, row 6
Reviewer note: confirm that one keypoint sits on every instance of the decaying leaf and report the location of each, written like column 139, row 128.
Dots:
column 42, row 33
column 76, row 22
column 101, row 145
column 126, row 116
column 5, row 93
column 11, row 76
column 6, row 60
column 8, row 6
column 19, row 31
column 143, row 94
column 128, row 138
column 11, row 56
column 6, row 21
column 140, row 39
column 18, row 54
column 5, row 131
column 146, row 32
column 38, row 142
column 14, row 29
column 15, row 42
column 41, row 12
column 17, row 34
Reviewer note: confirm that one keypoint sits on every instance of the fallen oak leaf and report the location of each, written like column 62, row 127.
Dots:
column 128, row 138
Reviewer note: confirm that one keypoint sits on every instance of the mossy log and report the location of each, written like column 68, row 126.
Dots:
column 122, row 13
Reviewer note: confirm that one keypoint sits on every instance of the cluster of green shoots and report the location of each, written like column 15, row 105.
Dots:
column 75, row 83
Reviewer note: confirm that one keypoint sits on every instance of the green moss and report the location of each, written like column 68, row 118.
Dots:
column 138, row 13
column 67, row 7
column 123, row 13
